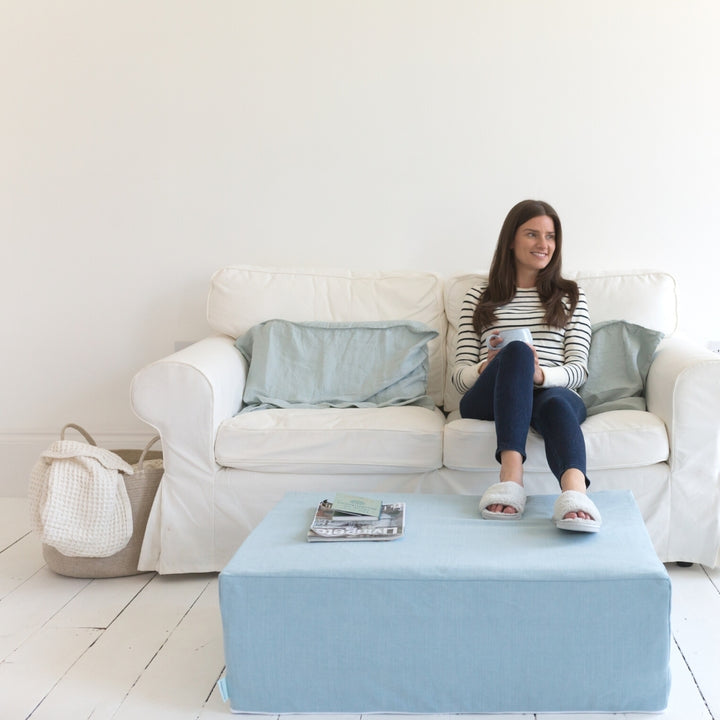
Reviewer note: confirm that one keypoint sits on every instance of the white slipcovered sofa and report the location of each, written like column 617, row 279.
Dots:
column 224, row 469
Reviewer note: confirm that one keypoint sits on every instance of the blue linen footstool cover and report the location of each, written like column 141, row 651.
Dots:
column 462, row 615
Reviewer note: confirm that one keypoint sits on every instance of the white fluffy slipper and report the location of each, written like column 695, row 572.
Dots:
column 503, row 493
column 574, row 501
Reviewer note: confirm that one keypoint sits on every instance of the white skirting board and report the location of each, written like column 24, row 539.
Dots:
column 20, row 451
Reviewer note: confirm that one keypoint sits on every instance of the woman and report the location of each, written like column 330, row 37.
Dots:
column 523, row 385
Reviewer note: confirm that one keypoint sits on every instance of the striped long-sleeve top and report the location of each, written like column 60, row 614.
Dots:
column 562, row 352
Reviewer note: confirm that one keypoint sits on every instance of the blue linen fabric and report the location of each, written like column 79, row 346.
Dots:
column 321, row 364
column 461, row 615
column 618, row 364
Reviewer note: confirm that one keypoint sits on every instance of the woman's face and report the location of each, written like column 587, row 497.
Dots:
column 533, row 247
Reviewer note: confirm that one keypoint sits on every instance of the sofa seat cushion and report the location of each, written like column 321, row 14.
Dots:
column 615, row 439
column 331, row 440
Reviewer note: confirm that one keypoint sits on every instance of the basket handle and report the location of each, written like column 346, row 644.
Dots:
column 141, row 461
column 82, row 431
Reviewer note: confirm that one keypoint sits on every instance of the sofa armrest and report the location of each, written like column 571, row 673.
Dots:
column 185, row 397
column 683, row 389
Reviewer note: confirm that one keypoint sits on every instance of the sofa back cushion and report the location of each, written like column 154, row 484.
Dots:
column 320, row 364
column 645, row 298
column 242, row 296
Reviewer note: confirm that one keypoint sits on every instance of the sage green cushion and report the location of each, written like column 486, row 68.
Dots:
column 349, row 364
column 619, row 361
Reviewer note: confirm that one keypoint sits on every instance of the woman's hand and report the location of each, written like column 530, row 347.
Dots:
column 538, row 375
column 495, row 339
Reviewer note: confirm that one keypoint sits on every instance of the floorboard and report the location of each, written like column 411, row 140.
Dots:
column 98, row 683
column 149, row 646
column 696, row 628
column 182, row 675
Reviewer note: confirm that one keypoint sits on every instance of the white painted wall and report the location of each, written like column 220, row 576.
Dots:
column 145, row 143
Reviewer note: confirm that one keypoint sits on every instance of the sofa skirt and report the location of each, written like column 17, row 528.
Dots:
column 202, row 536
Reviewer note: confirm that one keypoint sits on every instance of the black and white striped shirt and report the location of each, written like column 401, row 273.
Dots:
column 562, row 352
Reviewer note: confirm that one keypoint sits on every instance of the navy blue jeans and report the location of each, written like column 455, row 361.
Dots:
column 504, row 392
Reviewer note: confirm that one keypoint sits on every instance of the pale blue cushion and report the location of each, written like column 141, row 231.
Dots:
column 618, row 364
column 321, row 364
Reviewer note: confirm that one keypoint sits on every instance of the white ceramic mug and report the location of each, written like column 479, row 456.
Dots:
column 509, row 335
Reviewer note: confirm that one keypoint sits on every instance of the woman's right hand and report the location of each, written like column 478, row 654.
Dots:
column 495, row 339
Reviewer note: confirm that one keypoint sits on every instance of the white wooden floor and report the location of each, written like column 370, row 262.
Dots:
column 149, row 647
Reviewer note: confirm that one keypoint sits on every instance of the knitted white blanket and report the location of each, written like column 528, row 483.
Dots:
column 78, row 500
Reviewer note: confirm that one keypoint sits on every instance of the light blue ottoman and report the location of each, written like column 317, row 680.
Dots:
column 462, row 615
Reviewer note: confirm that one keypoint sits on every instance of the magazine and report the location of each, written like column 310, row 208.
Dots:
column 327, row 526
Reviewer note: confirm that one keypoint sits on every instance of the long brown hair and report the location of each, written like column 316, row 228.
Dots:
column 552, row 287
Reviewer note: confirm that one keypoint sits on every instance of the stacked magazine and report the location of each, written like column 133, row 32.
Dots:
column 387, row 522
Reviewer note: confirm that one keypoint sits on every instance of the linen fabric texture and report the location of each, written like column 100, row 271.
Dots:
column 403, row 626
column 618, row 365
column 336, row 365
column 78, row 499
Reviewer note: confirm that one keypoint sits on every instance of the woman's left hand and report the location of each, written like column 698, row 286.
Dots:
column 539, row 375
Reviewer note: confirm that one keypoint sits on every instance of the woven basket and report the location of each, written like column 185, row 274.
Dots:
column 141, row 487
